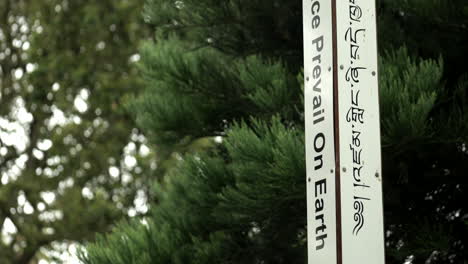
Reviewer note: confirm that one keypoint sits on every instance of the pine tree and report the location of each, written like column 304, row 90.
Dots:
column 232, row 70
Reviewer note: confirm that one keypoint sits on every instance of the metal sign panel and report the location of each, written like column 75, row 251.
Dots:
column 359, row 133
column 320, row 148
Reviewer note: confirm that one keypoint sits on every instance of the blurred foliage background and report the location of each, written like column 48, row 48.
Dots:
column 71, row 160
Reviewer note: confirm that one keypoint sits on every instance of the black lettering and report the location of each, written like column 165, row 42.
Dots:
column 319, row 142
column 315, row 7
column 318, row 42
column 317, row 58
column 315, row 22
column 320, row 184
column 322, row 244
column 316, row 72
column 316, row 86
column 318, row 206
column 318, row 159
column 317, row 101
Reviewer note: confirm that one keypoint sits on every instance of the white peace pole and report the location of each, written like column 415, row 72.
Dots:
column 320, row 147
column 359, row 133
column 344, row 182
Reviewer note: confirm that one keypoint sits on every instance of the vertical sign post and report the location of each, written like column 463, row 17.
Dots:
column 344, row 182
column 359, row 136
column 319, row 123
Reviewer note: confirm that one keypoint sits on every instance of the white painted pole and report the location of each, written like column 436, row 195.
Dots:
column 359, row 122
column 344, row 182
column 320, row 147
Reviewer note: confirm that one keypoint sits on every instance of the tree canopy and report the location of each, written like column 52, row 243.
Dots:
column 70, row 162
column 232, row 70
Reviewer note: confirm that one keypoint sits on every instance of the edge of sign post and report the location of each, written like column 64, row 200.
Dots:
column 336, row 131
column 377, row 70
